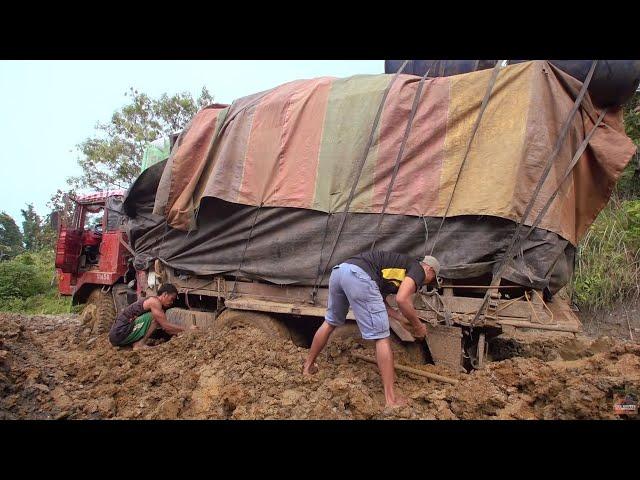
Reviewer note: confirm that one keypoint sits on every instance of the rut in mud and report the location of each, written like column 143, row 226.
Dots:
column 50, row 368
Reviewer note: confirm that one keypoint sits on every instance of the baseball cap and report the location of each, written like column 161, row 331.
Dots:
column 433, row 263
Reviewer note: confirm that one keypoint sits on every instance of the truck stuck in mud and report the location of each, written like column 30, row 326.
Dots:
column 497, row 172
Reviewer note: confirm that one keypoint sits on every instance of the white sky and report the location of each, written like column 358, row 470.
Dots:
column 48, row 107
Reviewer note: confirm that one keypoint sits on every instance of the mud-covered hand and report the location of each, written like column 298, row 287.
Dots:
column 419, row 331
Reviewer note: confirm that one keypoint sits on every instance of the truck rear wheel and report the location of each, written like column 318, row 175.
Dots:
column 102, row 309
column 268, row 324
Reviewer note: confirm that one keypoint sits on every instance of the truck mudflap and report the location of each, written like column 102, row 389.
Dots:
column 445, row 346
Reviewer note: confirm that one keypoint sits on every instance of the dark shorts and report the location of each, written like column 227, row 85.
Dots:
column 133, row 332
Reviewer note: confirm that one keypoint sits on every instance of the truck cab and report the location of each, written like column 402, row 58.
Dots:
column 92, row 256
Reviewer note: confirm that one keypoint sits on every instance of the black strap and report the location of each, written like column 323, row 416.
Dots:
column 324, row 238
column 483, row 107
column 359, row 167
column 574, row 161
column 235, row 282
column 426, row 235
column 570, row 167
column 515, row 240
column 396, row 167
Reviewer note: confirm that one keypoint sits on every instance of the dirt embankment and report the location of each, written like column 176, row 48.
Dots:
column 49, row 368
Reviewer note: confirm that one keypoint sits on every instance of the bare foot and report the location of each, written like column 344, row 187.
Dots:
column 310, row 370
column 141, row 346
column 398, row 402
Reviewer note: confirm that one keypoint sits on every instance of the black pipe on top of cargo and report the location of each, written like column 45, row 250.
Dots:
column 614, row 81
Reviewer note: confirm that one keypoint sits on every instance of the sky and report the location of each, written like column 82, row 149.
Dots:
column 49, row 107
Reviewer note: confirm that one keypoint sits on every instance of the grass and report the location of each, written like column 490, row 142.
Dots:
column 608, row 258
column 45, row 303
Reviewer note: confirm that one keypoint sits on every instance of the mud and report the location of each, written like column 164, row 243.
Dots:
column 50, row 368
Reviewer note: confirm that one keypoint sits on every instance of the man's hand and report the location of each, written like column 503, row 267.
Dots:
column 404, row 299
column 419, row 331
column 193, row 327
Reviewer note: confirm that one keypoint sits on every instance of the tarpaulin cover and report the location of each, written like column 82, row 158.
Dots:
column 283, row 161
column 298, row 145
column 292, row 245
column 115, row 215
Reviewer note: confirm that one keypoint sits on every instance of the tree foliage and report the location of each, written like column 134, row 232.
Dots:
column 112, row 158
column 32, row 229
column 21, row 278
column 10, row 237
column 631, row 112
column 62, row 203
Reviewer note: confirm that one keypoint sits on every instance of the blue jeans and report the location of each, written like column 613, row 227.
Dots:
column 350, row 285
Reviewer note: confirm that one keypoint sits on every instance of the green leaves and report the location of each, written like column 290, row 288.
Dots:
column 629, row 184
column 21, row 278
column 632, row 210
column 32, row 229
column 26, row 285
column 112, row 159
column 10, row 237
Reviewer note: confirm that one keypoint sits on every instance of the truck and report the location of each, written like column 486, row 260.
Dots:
column 496, row 172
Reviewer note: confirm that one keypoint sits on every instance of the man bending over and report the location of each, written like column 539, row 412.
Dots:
column 364, row 281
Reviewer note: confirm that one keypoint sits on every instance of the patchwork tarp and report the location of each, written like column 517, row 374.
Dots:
column 298, row 145
column 258, row 188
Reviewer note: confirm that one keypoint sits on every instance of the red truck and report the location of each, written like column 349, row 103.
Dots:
column 93, row 259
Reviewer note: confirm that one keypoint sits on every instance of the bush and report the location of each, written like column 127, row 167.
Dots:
column 21, row 278
column 26, row 285
column 608, row 258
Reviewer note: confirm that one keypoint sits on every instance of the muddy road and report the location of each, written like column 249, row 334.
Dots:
column 50, row 368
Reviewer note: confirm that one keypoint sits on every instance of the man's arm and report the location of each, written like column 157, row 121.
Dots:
column 159, row 316
column 392, row 312
column 404, row 299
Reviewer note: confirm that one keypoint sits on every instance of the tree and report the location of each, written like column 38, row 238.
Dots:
column 112, row 159
column 31, row 229
column 62, row 203
column 10, row 237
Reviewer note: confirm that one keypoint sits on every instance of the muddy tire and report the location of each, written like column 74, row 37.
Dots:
column 120, row 299
column 263, row 321
column 103, row 311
